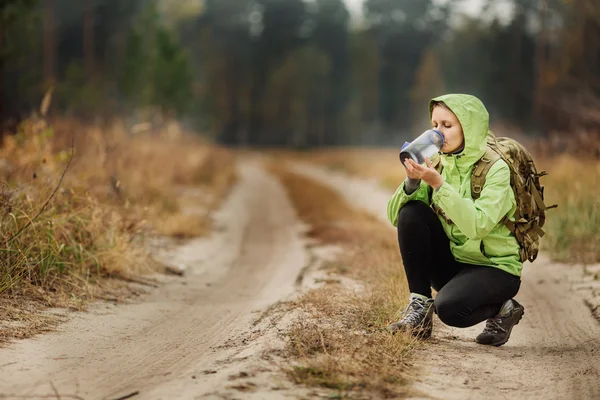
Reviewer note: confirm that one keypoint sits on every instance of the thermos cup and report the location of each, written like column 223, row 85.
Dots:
column 427, row 144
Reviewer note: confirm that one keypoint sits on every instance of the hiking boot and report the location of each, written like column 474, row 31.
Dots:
column 417, row 317
column 497, row 329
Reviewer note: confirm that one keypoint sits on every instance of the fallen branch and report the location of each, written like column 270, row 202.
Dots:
column 139, row 281
column 130, row 395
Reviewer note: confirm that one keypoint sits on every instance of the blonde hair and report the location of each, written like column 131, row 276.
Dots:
column 435, row 104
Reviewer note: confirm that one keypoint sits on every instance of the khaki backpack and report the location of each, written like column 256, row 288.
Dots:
column 530, row 214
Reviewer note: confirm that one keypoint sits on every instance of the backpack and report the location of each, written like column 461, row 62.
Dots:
column 530, row 213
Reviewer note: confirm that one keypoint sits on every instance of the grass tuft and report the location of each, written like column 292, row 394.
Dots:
column 340, row 341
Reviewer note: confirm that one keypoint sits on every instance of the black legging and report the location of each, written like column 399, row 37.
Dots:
column 467, row 294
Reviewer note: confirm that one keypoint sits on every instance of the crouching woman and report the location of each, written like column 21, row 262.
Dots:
column 463, row 251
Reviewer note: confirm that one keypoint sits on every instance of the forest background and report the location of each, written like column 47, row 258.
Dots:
column 304, row 73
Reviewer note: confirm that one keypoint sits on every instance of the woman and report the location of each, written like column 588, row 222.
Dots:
column 472, row 260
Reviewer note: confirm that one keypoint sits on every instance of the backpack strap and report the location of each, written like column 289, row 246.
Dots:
column 436, row 163
column 438, row 210
column 480, row 170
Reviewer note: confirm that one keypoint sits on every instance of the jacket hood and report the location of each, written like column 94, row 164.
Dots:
column 474, row 118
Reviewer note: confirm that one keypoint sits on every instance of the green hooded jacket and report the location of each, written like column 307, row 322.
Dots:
column 476, row 235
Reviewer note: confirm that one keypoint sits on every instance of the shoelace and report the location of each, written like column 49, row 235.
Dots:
column 414, row 312
column 493, row 326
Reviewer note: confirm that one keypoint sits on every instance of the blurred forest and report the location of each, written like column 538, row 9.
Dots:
column 301, row 73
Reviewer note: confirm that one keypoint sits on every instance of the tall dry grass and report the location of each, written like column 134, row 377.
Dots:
column 119, row 190
column 573, row 229
column 340, row 341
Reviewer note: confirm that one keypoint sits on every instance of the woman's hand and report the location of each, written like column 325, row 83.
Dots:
column 424, row 172
column 409, row 171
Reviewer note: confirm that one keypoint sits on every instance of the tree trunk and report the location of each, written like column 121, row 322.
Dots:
column 255, row 122
column 2, row 94
column 88, row 38
column 233, row 124
column 517, row 65
column 539, row 91
column 49, row 45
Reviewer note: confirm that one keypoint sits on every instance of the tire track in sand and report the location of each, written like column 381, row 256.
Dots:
column 181, row 328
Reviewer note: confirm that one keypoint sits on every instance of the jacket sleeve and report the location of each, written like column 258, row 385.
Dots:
column 477, row 218
column 400, row 198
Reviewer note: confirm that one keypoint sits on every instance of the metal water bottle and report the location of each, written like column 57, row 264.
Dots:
column 426, row 145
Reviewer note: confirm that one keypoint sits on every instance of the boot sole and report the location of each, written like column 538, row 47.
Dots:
column 500, row 343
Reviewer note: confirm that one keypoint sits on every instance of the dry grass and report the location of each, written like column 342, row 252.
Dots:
column 118, row 191
column 152, row 172
column 573, row 229
column 340, row 341
column 19, row 319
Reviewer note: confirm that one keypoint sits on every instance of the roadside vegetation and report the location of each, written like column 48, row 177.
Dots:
column 79, row 205
column 340, row 340
column 573, row 229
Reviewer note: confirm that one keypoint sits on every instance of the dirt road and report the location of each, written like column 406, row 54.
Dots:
column 184, row 339
column 554, row 353
column 166, row 345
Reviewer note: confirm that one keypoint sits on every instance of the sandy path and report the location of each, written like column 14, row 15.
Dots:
column 176, row 335
column 554, row 353
column 185, row 339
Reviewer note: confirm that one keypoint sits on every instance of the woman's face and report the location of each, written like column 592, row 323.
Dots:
column 446, row 122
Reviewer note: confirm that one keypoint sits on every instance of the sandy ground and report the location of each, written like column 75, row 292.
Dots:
column 554, row 353
column 209, row 334
column 178, row 342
